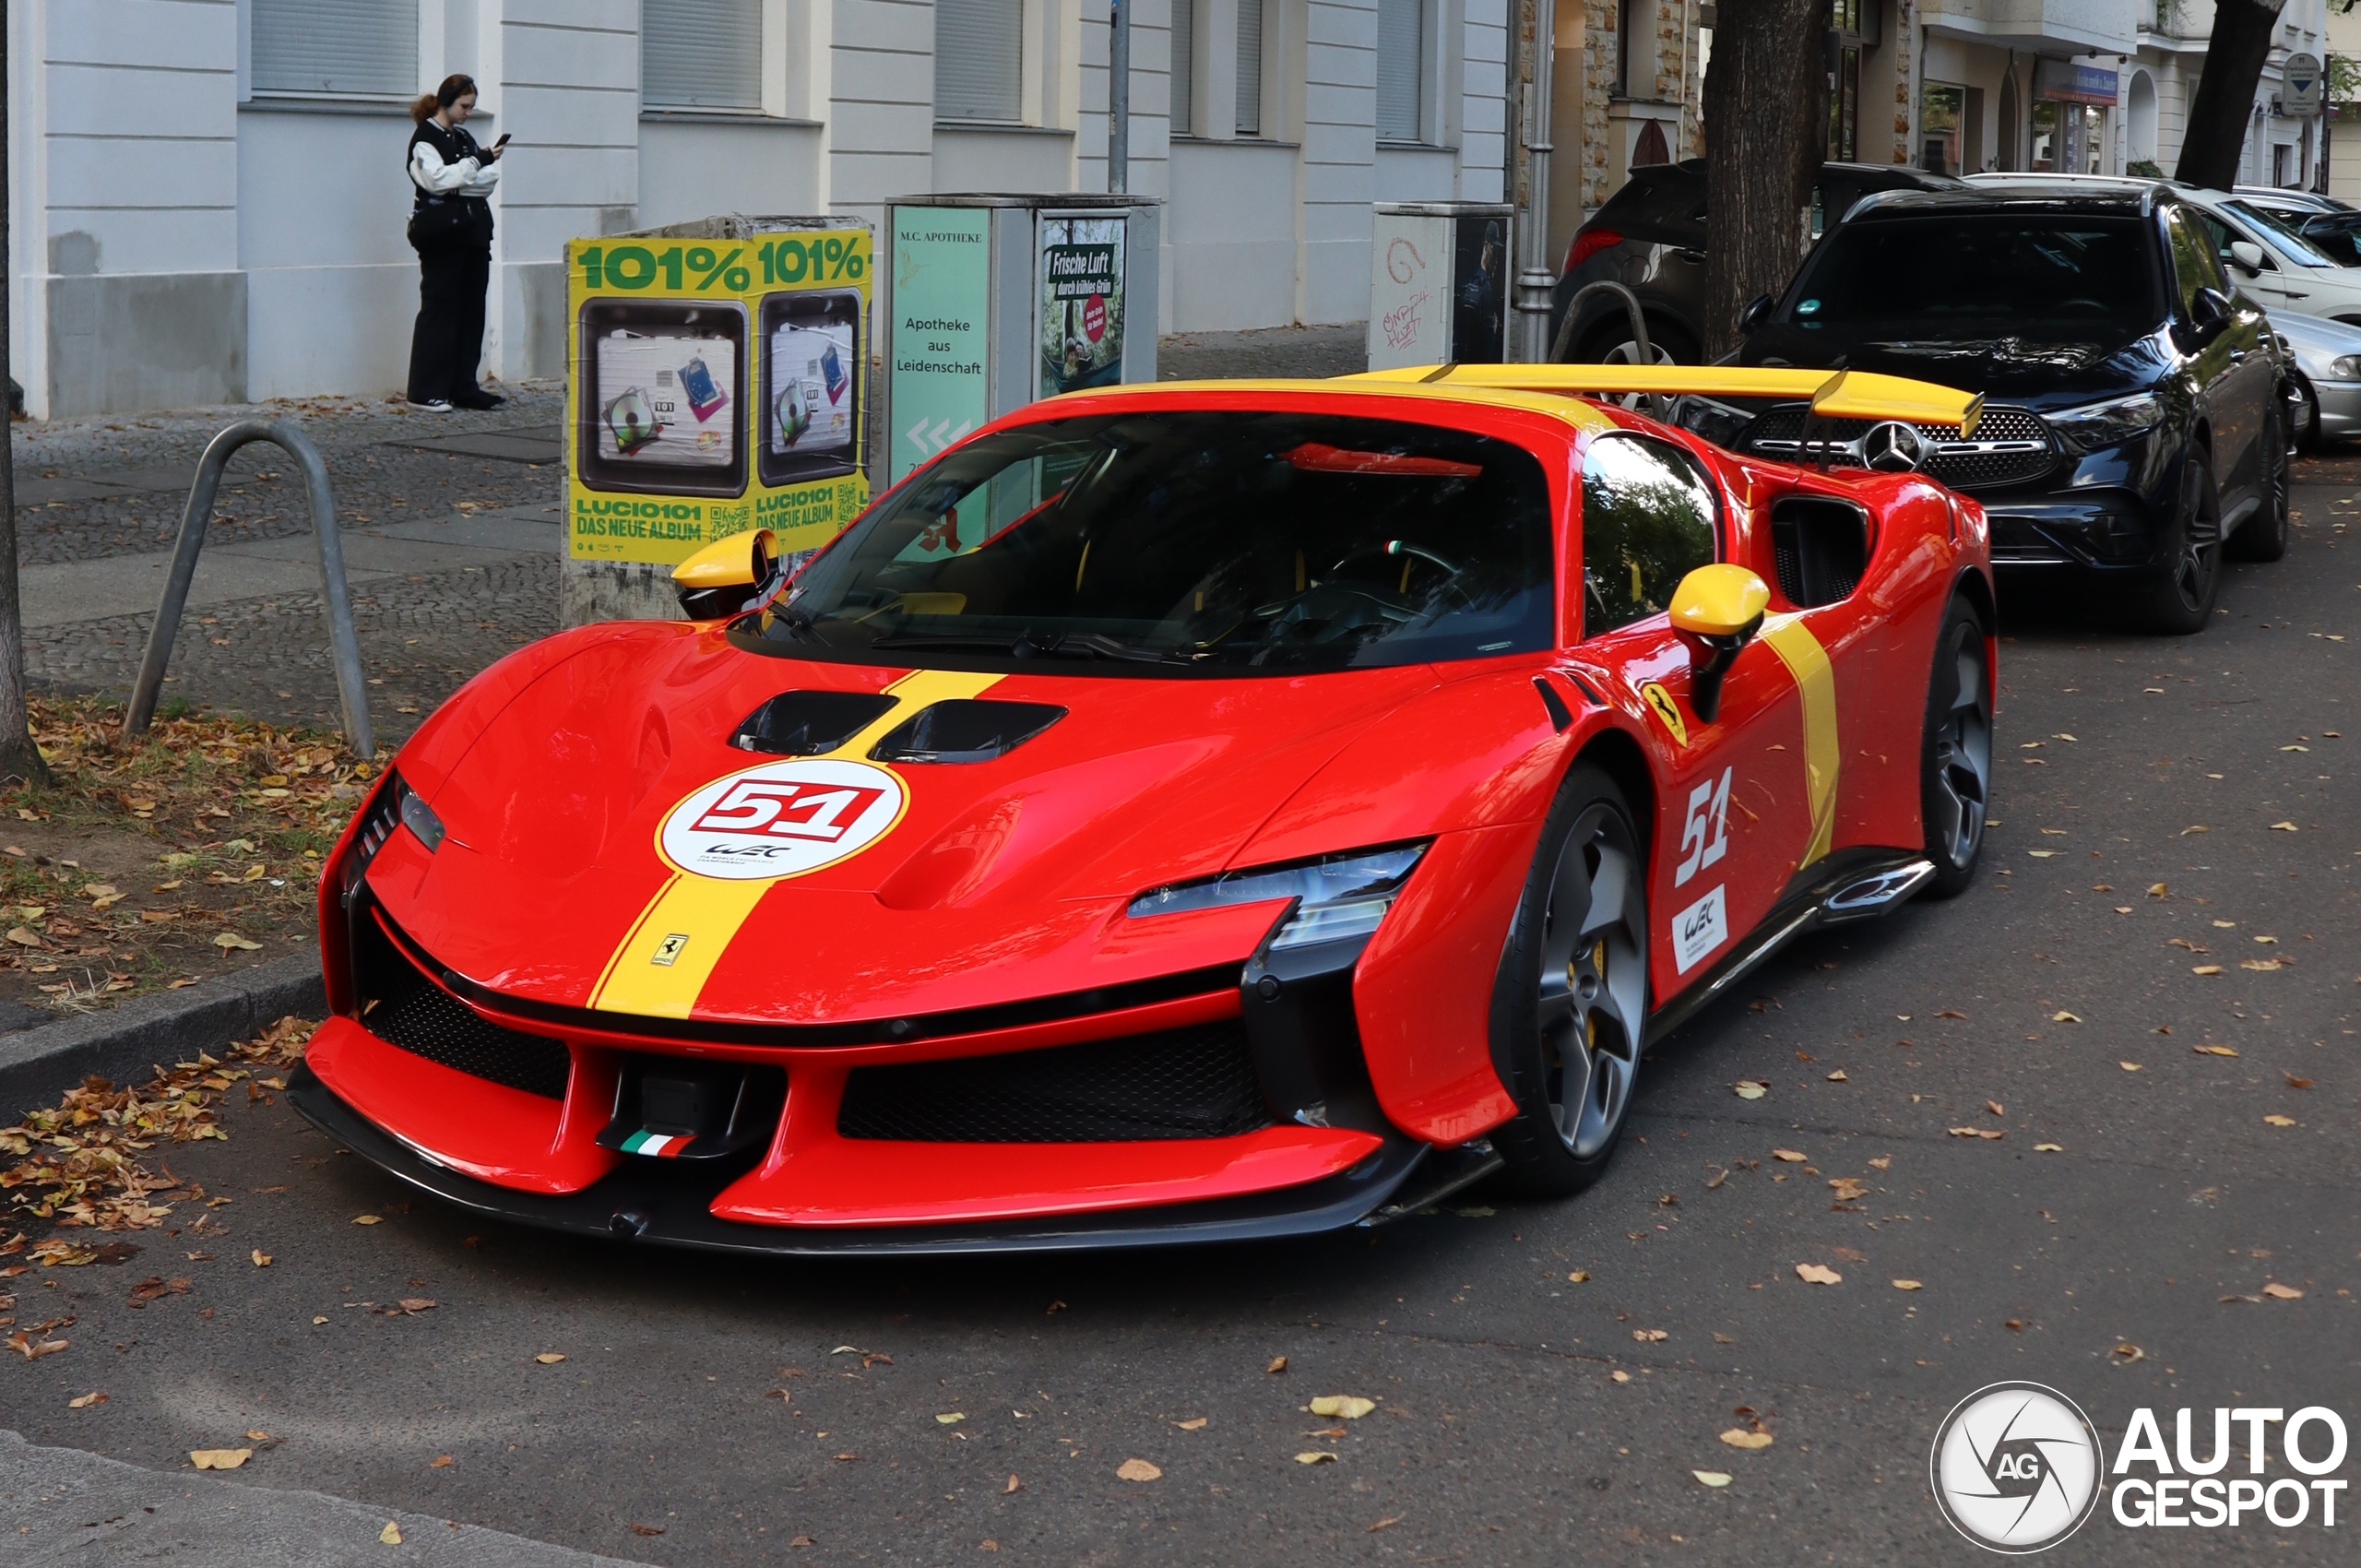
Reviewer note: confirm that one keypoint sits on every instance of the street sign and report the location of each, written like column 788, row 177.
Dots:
column 2300, row 96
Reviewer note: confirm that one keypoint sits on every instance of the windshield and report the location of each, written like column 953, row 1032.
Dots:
column 1171, row 541
column 1976, row 275
column 2275, row 231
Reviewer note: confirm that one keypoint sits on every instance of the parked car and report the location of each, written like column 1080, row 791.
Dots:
column 2298, row 204
column 2138, row 405
column 2264, row 255
column 2327, row 376
column 1649, row 237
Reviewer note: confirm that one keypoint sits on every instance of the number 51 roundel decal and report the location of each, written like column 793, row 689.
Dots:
column 782, row 819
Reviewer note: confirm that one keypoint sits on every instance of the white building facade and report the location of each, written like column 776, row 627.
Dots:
column 208, row 197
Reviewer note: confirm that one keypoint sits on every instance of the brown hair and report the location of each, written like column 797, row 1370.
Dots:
column 455, row 88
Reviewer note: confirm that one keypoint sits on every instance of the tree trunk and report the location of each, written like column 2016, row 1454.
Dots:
column 1766, row 127
column 19, row 761
column 2220, row 114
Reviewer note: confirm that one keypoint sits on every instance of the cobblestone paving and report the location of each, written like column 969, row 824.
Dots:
column 63, row 515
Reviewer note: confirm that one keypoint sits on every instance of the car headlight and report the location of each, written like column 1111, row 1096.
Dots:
column 417, row 816
column 2108, row 424
column 2346, row 367
column 1336, row 897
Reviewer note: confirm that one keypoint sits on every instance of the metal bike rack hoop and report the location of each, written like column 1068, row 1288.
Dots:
column 349, row 685
column 1575, row 310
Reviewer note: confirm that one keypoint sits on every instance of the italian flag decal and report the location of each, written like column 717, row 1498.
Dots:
column 664, row 1145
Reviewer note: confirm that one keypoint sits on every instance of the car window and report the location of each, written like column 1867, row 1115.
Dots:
column 1190, row 541
column 1650, row 517
column 2275, row 231
column 2199, row 244
column 1998, row 273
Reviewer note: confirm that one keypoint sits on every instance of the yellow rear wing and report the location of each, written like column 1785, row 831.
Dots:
column 1842, row 394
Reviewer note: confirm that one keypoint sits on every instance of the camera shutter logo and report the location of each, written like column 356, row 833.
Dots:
column 2015, row 1467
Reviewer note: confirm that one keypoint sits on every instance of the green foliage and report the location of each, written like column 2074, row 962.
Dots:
column 2144, row 169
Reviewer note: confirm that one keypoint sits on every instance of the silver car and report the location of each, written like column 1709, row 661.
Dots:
column 2327, row 372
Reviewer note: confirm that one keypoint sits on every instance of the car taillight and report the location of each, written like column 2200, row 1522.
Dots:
column 1588, row 243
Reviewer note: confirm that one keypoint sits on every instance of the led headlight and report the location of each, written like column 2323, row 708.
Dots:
column 1336, row 897
column 417, row 816
column 2109, row 423
column 2346, row 367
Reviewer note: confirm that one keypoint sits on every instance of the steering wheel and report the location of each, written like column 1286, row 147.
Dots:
column 1397, row 549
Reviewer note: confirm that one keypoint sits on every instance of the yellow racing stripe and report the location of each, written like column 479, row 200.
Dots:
column 662, row 964
column 1808, row 661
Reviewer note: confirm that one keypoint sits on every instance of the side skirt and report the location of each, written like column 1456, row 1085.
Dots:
column 1853, row 886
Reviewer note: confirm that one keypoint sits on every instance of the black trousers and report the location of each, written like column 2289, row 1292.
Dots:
column 447, row 343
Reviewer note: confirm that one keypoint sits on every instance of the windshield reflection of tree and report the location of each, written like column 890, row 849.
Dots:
column 1204, row 538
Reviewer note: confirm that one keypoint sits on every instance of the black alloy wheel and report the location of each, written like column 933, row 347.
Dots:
column 2181, row 601
column 2263, row 536
column 1955, row 769
column 1572, row 1005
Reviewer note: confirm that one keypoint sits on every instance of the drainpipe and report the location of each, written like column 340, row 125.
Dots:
column 1534, row 44
column 1119, row 97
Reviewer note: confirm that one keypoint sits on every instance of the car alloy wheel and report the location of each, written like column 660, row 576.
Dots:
column 1957, row 792
column 2183, row 600
column 1574, row 990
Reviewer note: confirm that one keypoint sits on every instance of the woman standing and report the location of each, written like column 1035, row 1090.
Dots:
column 450, row 227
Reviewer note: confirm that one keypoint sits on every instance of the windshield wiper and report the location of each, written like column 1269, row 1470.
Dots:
column 1028, row 644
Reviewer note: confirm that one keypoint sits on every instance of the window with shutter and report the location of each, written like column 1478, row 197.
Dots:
column 336, row 48
column 1185, row 73
column 1401, row 69
column 979, row 59
column 1250, row 67
column 701, row 54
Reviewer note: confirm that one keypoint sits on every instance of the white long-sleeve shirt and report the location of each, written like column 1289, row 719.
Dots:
column 466, row 177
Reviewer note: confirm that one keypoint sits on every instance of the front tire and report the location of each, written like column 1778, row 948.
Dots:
column 1574, row 990
column 1955, row 769
column 2182, row 602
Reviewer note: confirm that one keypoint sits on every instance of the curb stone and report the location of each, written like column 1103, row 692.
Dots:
column 38, row 1064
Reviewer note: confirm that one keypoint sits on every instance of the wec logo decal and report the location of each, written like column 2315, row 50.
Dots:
column 782, row 819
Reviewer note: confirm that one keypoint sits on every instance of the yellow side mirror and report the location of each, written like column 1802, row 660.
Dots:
column 1720, row 608
column 720, row 577
column 1720, row 601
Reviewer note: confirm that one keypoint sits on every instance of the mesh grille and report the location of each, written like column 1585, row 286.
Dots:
column 1190, row 1083
column 1959, row 470
column 425, row 1020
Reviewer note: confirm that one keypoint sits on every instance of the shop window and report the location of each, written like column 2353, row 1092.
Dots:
column 701, row 54
column 336, row 49
column 1401, row 70
column 979, row 60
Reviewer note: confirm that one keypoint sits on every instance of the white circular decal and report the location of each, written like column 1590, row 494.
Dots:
column 782, row 819
column 2016, row 1467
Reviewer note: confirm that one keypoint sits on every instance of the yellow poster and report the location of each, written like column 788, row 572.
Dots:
column 716, row 385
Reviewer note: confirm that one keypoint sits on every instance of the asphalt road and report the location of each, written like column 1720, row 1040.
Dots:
column 1519, row 1419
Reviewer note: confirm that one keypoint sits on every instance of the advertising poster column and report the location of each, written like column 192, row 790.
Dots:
column 1081, row 302
column 717, row 385
column 941, row 306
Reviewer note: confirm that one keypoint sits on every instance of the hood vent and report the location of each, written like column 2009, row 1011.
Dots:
column 808, row 723
column 965, row 729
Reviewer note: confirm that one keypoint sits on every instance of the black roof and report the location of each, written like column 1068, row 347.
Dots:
column 2034, row 196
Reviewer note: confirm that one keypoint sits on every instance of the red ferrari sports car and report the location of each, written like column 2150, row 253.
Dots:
column 1178, row 811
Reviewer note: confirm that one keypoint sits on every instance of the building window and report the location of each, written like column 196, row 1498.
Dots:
column 979, row 60
column 1184, row 67
column 1628, row 15
column 701, row 54
column 1401, row 70
column 1250, row 67
column 336, row 48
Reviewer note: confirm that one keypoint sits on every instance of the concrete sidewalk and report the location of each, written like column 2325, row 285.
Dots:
column 60, row 1505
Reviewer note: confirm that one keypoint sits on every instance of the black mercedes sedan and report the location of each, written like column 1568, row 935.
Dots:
column 2137, row 422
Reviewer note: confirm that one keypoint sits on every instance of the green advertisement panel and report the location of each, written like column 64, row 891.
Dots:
column 942, row 307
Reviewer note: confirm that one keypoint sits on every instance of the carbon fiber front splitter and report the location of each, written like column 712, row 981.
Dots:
column 659, row 1201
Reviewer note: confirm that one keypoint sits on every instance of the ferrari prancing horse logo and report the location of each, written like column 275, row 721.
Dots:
column 1660, row 702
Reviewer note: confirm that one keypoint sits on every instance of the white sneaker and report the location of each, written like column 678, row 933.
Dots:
column 433, row 405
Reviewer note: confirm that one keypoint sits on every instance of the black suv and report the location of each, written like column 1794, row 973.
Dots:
column 1649, row 237
column 2137, row 418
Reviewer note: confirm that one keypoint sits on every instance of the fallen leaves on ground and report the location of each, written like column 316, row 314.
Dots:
column 1387, row 1522
column 1279, row 1364
column 77, row 1164
column 2129, row 1067
column 639, row 1530
column 1579, row 1276
column 86, row 1401
column 1747, row 1089
column 1619, row 1375
column 2294, row 1082
column 2213, row 1050
column 1908, row 1285
column 24, row 1343
column 1838, row 1077
column 1651, row 1336
column 2127, row 1352
column 2277, row 1120
column 1194, row 1423
column 1014, row 1485
column 440, row 1462
column 549, row 1358
column 1818, row 1274
column 2205, row 969
column 1350, row 1406
column 2283, row 827
column 1715, row 1478
column 1315, row 1456
column 2279, row 1292
column 1849, row 1189
column 2049, row 1148
column 1738, row 1437
column 950, row 1418
column 262, row 1259
column 1789, row 1156
column 1138, row 1471
column 1978, row 1133
column 366, row 1218
column 391, row 1535
column 222, row 1459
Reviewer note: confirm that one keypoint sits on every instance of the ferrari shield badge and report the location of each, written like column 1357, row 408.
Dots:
column 782, row 819
column 1660, row 702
